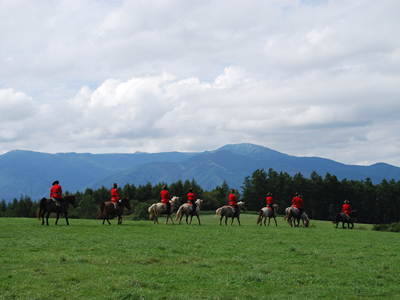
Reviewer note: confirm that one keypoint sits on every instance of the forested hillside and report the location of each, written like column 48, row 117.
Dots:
column 323, row 196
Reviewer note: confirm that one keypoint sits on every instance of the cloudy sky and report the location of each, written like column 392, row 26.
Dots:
column 306, row 78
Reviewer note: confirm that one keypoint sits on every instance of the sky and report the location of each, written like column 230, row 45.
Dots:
column 305, row 78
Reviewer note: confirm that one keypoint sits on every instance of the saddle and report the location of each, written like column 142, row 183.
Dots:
column 56, row 202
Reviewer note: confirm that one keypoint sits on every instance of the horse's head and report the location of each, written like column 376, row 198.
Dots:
column 276, row 206
column 71, row 199
column 175, row 201
column 241, row 206
column 305, row 219
column 126, row 202
column 199, row 202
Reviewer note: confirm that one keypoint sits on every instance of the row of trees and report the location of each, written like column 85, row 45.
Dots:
column 323, row 197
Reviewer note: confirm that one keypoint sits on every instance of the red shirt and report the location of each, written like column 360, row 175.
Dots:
column 297, row 202
column 56, row 191
column 165, row 197
column 114, row 195
column 346, row 208
column 270, row 200
column 191, row 197
column 232, row 200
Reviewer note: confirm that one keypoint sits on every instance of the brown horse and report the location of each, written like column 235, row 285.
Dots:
column 50, row 205
column 292, row 214
column 187, row 210
column 109, row 208
column 342, row 217
column 265, row 213
column 228, row 212
column 159, row 208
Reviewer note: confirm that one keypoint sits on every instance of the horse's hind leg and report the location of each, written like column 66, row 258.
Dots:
column 66, row 217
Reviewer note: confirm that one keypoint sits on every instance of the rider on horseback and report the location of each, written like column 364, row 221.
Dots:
column 346, row 209
column 56, row 192
column 270, row 201
column 115, row 197
column 233, row 202
column 165, row 197
column 297, row 202
column 191, row 199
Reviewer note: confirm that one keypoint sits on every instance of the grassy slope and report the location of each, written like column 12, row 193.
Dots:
column 139, row 260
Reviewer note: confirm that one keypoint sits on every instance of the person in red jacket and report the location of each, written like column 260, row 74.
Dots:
column 233, row 201
column 115, row 196
column 270, row 201
column 191, row 199
column 346, row 208
column 56, row 193
column 297, row 202
column 165, row 197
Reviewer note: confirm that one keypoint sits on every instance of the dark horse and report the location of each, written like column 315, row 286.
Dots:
column 49, row 205
column 109, row 208
column 341, row 217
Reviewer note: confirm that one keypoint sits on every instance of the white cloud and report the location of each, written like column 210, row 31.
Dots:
column 302, row 77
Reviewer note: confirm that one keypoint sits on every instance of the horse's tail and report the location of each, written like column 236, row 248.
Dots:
column 289, row 216
column 336, row 219
column 259, row 216
column 178, row 213
column 101, row 208
column 151, row 211
column 41, row 207
column 218, row 211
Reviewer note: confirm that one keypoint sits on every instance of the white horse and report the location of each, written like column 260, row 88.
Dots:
column 265, row 213
column 159, row 208
column 292, row 214
column 228, row 212
column 187, row 209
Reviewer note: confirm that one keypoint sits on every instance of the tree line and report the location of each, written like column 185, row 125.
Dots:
column 323, row 197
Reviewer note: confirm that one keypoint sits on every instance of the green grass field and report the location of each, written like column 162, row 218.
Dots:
column 140, row 260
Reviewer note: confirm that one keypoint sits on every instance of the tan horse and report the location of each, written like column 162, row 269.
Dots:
column 187, row 210
column 228, row 212
column 265, row 213
column 110, row 208
column 159, row 208
column 292, row 214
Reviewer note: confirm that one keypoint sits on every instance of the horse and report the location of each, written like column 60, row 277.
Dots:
column 342, row 217
column 50, row 205
column 292, row 213
column 187, row 210
column 159, row 208
column 228, row 212
column 266, row 212
column 108, row 207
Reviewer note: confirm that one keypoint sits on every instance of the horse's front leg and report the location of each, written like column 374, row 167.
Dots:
column 269, row 221
column 276, row 223
column 238, row 220
column 198, row 218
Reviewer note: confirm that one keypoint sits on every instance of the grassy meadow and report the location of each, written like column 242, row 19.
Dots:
column 140, row 260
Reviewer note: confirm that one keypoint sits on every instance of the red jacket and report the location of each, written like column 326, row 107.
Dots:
column 165, row 197
column 270, row 200
column 56, row 191
column 346, row 208
column 191, row 197
column 232, row 200
column 297, row 202
column 114, row 195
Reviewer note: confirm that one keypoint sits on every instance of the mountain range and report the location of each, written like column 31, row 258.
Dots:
column 32, row 173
